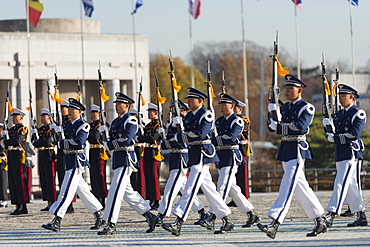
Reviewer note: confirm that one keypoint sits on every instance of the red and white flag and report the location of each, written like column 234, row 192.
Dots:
column 194, row 8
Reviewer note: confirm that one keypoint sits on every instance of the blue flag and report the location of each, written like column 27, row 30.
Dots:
column 354, row 2
column 138, row 4
column 88, row 6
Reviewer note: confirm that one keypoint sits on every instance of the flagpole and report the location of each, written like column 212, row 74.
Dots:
column 134, row 38
column 352, row 45
column 191, row 52
column 82, row 57
column 244, row 62
column 28, row 45
column 297, row 42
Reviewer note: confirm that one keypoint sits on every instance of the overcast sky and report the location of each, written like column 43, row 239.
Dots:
column 323, row 24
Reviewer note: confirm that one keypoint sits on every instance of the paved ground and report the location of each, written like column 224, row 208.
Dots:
column 25, row 230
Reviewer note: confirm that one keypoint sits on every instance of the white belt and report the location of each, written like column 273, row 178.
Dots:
column 227, row 147
column 128, row 148
column 243, row 142
column 294, row 138
column 200, row 142
column 148, row 145
column 71, row 151
column 178, row 151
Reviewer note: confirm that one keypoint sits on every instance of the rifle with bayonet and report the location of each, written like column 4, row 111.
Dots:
column 274, row 90
column 34, row 130
column 160, row 101
column 79, row 97
column 175, row 100
column 6, row 111
column 58, row 114
column 102, row 99
column 223, row 82
column 337, row 107
column 211, row 95
column 326, row 106
column 139, row 104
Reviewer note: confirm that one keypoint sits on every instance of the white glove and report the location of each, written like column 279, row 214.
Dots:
column 161, row 131
column 273, row 124
column 2, row 144
column 105, row 145
column 58, row 129
column 330, row 137
column 176, row 121
column 272, row 107
column 102, row 128
column 34, row 131
column 326, row 122
column 4, row 132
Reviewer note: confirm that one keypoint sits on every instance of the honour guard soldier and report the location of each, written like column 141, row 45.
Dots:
column 297, row 115
column 97, row 157
column 349, row 123
column 18, row 174
column 59, row 164
column 178, row 160
column 229, row 128
column 122, row 134
column 76, row 132
column 46, row 159
column 151, row 139
column 198, row 131
column 3, row 174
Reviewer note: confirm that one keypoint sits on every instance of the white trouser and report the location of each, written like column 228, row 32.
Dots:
column 294, row 181
column 175, row 183
column 346, row 187
column 226, row 185
column 121, row 189
column 73, row 182
column 199, row 177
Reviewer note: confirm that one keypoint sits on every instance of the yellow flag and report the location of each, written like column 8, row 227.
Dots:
column 104, row 97
column 161, row 99
column 327, row 87
column 335, row 90
column 10, row 107
column 212, row 91
column 78, row 97
column 281, row 70
column 56, row 96
column 174, row 84
column 143, row 103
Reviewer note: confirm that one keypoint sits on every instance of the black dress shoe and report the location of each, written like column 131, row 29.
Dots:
column 227, row 226
column 329, row 218
column 231, row 204
column 45, row 208
column 270, row 229
column 22, row 209
column 175, row 227
column 109, row 229
column 152, row 221
column 209, row 222
column 203, row 214
column 253, row 218
column 98, row 221
column 160, row 219
column 54, row 225
column 347, row 213
column 154, row 205
column 70, row 209
column 320, row 227
column 361, row 220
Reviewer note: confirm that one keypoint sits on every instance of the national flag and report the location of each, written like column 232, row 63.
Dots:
column 35, row 8
column 194, row 8
column 297, row 3
column 354, row 2
column 138, row 3
column 89, row 7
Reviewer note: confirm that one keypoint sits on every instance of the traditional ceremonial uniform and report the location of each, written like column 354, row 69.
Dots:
column 202, row 153
column 3, row 175
column 151, row 139
column 46, row 162
column 97, row 159
column 229, row 129
column 122, row 133
column 74, row 159
column 178, row 160
column 18, row 172
column 349, row 124
column 293, row 152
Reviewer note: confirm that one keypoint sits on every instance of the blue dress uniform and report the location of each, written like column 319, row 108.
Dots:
column 74, row 160
column 122, row 134
column 202, row 153
column 293, row 151
column 349, row 124
column 178, row 160
column 229, row 129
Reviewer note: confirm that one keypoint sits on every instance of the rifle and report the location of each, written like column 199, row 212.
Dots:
column 79, row 96
column 139, row 103
column 58, row 117
column 103, row 98
column 223, row 82
column 35, row 135
column 160, row 101
column 326, row 106
column 175, row 100
column 6, row 111
column 210, row 95
column 274, row 89
column 337, row 107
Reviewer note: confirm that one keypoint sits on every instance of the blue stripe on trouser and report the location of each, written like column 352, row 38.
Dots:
column 171, row 193
column 193, row 192
column 226, row 190
column 115, row 193
column 66, row 192
column 290, row 191
column 341, row 197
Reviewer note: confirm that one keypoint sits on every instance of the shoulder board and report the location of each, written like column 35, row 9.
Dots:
column 207, row 115
column 246, row 119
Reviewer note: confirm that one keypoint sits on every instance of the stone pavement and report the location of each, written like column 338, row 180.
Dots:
column 25, row 230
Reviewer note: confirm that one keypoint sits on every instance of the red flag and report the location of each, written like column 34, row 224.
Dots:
column 297, row 3
column 194, row 8
column 35, row 8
